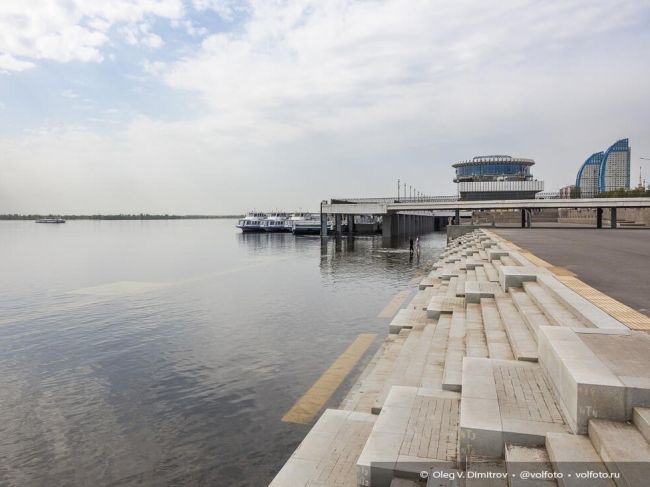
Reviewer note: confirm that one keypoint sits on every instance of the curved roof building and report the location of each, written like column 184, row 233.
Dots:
column 496, row 177
column 605, row 171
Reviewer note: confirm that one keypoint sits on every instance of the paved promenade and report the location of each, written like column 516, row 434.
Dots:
column 615, row 262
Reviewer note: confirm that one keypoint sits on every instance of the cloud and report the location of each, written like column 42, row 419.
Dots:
column 303, row 100
column 74, row 30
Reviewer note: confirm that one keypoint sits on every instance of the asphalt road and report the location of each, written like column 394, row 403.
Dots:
column 616, row 262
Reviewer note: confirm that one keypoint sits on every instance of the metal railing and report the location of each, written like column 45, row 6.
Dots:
column 422, row 199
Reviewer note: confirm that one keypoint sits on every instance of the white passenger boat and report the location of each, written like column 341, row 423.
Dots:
column 50, row 220
column 296, row 217
column 252, row 222
column 307, row 226
column 275, row 222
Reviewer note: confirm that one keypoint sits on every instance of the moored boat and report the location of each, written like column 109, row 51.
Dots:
column 275, row 222
column 307, row 226
column 50, row 220
column 252, row 222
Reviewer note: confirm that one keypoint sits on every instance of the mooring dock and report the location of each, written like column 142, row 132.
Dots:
column 499, row 363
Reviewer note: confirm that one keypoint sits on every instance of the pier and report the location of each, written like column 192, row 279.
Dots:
column 402, row 217
column 500, row 362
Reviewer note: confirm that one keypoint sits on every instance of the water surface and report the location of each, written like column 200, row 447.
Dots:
column 166, row 352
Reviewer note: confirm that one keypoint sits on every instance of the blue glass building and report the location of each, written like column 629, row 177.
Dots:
column 605, row 171
column 497, row 177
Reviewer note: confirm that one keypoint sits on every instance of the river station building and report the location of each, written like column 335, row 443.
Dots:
column 497, row 177
column 605, row 171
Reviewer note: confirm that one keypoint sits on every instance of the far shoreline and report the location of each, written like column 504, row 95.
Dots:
column 121, row 216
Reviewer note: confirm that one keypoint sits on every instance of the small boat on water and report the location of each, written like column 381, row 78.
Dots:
column 309, row 225
column 296, row 217
column 252, row 222
column 275, row 222
column 50, row 220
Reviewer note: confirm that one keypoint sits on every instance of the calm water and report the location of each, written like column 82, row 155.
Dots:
column 166, row 352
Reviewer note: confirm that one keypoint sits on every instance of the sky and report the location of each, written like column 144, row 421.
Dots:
column 223, row 106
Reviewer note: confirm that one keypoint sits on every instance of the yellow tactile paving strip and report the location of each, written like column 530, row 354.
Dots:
column 306, row 408
column 623, row 313
column 395, row 304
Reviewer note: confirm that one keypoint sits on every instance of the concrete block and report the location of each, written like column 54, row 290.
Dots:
column 376, row 464
column 585, row 387
column 529, row 459
column 641, row 419
column 623, row 449
column 573, row 454
column 515, row 276
column 480, row 428
column 443, row 305
column 475, row 290
column 494, row 254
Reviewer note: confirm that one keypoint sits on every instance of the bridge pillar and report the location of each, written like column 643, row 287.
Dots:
column 323, row 224
column 599, row 218
column 388, row 225
column 523, row 218
column 613, row 217
column 350, row 224
column 337, row 226
column 457, row 217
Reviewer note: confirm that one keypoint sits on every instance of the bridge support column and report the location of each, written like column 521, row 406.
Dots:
column 523, row 218
column 350, row 224
column 599, row 218
column 613, row 217
column 457, row 217
column 388, row 225
column 323, row 224
column 337, row 226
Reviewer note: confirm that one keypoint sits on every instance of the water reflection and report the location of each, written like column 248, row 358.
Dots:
column 134, row 382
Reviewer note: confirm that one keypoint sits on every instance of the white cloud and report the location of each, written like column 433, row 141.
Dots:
column 77, row 30
column 341, row 97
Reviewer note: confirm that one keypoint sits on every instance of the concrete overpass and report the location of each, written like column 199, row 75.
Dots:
column 405, row 216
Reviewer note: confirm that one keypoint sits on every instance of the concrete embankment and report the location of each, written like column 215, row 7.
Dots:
column 498, row 365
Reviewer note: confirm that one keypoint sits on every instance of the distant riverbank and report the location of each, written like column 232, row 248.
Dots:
column 121, row 216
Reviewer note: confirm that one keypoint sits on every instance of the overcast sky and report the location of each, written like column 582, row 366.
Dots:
column 220, row 106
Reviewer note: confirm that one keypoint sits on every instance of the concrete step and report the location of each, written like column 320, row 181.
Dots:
column 328, row 454
column 495, row 334
column 417, row 359
column 623, row 449
column 460, row 285
column 572, row 455
column 482, row 466
column 491, row 272
column 406, row 483
column 435, row 361
column 530, row 312
column 397, row 372
column 522, row 340
column 507, row 260
column 475, row 342
column 533, row 460
column 407, row 318
column 641, row 419
column 481, row 275
column 556, row 312
column 453, row 370
column 443, row 305
column 422, row 297
column 451, row 290
column 417, row 429
column 364, row 392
